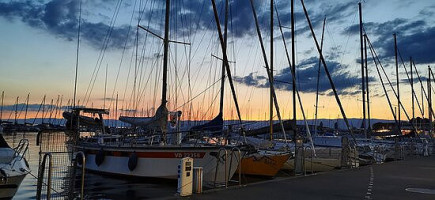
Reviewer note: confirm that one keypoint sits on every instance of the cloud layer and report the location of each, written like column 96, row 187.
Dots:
column 345, row 83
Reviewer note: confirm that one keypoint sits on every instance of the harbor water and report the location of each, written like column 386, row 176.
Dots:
column 96, row 186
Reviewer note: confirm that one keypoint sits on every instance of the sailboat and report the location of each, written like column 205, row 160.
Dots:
column 152, row 154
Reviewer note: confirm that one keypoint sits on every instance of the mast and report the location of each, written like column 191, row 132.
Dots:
column 1, row 109
column 43, row 109
column 294, row 67
column 293, row 77
column 271, row 72
column 367, row 84
column 412, row 90
column 51, row 111
column 27, row 107
column 105, row 87
column 337, row 98
column 221, row 105
column 16, row 111
column 398, row 91
column 227, row 65
column 77, row 55
column 275, row 100
column 165, row 53
column 116, row 111
column 318, row 80
column 429, row 91
column 362, row 70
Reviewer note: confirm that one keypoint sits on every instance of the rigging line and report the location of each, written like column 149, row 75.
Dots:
column 400, row 103
column 409, row 79
column 190, row 100
column 392, row 88
column 375, row 60
column 268, row 70
column 123, row 53
column 201, row 65
column 143, row 57
column 102, row 52
column 421, row 83
column 211, row 105
column 327, row 72
column 294, row 81
column 99, row 56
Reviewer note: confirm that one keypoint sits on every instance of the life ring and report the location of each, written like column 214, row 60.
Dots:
column 132, row 161
column 99, row 158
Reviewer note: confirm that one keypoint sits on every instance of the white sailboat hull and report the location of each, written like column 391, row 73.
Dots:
column 162, row 162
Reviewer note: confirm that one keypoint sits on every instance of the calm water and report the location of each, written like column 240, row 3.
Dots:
column 96, row 186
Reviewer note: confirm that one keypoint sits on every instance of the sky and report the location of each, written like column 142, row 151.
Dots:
column 38, row 56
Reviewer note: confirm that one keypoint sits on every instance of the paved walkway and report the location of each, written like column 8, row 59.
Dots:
column 386, row 181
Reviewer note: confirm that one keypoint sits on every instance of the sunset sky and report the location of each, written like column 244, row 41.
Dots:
column 38, row 49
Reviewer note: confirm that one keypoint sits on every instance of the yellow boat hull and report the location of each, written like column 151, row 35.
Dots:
column 263, row 163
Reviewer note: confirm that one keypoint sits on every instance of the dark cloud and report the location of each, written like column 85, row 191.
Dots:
column 345, row 83
column 414, row 38
column 60, row 18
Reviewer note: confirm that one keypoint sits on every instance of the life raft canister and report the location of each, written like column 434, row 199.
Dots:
column 132, row 161
column 99, row 158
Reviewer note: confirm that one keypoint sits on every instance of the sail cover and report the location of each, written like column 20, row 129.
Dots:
column 157, row 122
column 215, row 124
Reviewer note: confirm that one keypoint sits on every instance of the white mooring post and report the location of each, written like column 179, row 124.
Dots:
column 185, row 177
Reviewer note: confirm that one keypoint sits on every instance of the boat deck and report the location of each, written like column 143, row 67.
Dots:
column 413, row 178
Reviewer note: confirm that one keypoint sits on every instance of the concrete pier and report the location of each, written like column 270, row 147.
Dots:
column 413, row 178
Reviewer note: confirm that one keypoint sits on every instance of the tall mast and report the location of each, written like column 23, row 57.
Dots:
column 227, row 66
column 271, row 72
column 105, row 87
column 362, row 70
column 275, row 100
column 429, row 91
column 221, row 105
column 412, row 90
column 318, row 80
column 294, row 66
column 165, row 53
column 77, row 56
column 397, row 79
column 367, row 83
column 337, row 98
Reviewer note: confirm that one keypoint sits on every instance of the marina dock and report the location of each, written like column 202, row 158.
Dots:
column 412, row 178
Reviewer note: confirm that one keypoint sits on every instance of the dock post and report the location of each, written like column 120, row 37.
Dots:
column 299, row 157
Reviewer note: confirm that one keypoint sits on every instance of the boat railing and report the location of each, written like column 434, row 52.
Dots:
column 41, row 176
column 21, row 148
column 80, row 157
column 217, row 166
column 234, row 150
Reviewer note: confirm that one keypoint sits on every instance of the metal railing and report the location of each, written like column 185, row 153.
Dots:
column 217, row 166
column 83, row 166
column 240, row 162
column 41, row 176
